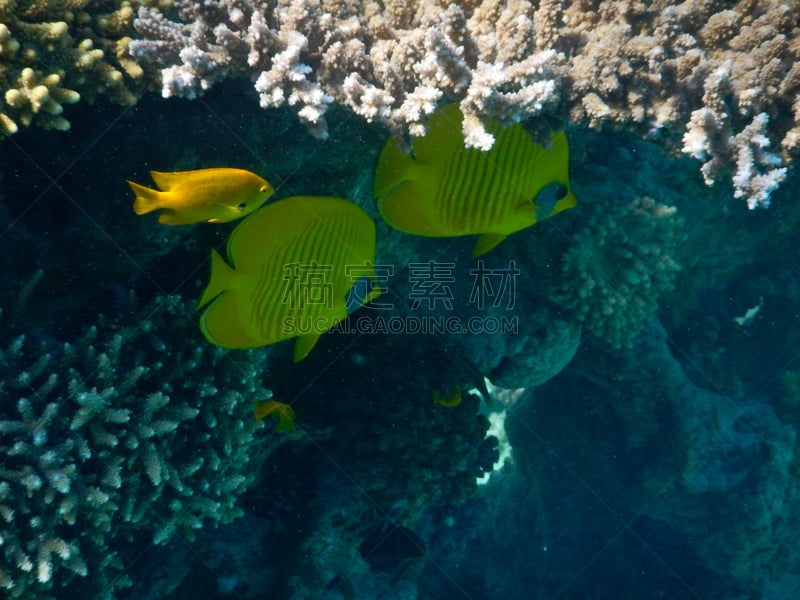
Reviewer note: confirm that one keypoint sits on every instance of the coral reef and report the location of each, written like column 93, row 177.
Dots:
column 617, row 267
column 729, row 479
column 56, row 52
column 386, row 65
column 706, row 78
column 666, row 477
column 131, row 430
column 591, row 447
column 703, row 77
column 444, row 449
column 545, row 345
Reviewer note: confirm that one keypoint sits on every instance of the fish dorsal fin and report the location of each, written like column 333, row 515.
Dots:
column 167, row 181
column 407, row 208
column 394, row 167
column 405, row 185
column 442, row 140
column 403, row 189
column 486, row 242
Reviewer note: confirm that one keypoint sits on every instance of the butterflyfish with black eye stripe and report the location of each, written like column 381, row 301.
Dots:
column 212, row 195
column 290, row 269
column 265, row 408
column 445, row 189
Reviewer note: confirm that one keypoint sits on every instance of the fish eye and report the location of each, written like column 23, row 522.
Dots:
column 241, row 206
column 263, row 189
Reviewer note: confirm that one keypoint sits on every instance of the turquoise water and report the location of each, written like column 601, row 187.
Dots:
column 642, row 358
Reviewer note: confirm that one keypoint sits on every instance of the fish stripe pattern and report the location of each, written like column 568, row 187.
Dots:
column 445, row 189
column 289, row 273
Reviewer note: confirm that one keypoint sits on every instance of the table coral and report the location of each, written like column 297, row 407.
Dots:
column 138, row 431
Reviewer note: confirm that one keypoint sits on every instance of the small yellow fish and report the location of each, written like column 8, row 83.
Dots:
column 445, row 189
column 264, row 408
column 294, row 263
column 450, row 401
column 213, row 195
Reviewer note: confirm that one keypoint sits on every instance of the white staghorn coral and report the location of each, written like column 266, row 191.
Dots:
column 693, row 76
column 387, row 66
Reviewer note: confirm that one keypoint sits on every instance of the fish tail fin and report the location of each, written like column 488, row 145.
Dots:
column 553, row 166
column 561, row 151
column 394, row 167
column 398, row 191
column 221, row 279
column 147, row 200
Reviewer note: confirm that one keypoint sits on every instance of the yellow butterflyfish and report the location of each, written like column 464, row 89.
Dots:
column 212, row 195
column 450, row 401
column 445, row 189
column 292, row 266
column 264, row 408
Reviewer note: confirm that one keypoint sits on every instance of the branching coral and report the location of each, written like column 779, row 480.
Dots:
column 55, row 52
column 389, row 63
column 717, row 80
column 120, row 433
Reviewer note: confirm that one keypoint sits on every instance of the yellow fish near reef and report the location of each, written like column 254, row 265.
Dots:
column 264, row 408
column 213, row 195
column 292, row 266
column 445, row 189
column 450, row 401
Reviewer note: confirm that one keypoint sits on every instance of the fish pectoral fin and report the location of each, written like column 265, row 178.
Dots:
column 486, row 242
column 304, row 345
